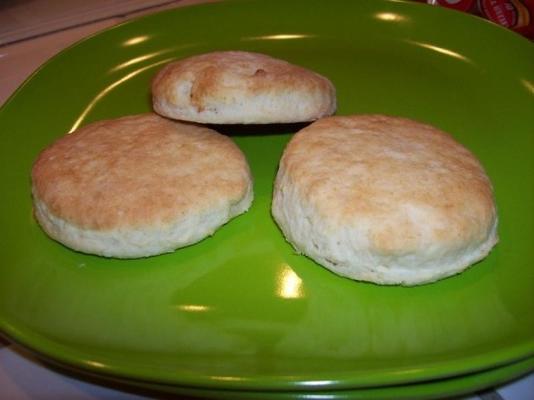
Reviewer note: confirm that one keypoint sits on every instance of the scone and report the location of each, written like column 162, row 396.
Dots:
column 384, row 199
column 139, row 186
column 237, row 87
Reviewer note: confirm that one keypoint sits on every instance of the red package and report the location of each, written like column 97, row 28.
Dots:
column 512, row 14
column 517, row 15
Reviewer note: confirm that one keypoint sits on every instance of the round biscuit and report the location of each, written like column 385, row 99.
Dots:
column 237, row 87
column 139, row 186
column 384, row 199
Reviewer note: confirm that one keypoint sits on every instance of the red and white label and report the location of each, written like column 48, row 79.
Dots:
column 508, row 13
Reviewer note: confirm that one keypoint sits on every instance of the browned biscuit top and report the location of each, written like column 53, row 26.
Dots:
column 238, row 86
column 137, row 171
column 388, row 174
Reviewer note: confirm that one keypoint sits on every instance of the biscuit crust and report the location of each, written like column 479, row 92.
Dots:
column 384, row 199
column 138, row 175
column 241, row 88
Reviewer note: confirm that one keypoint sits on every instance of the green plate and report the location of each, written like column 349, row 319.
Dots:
column 444, row 388
column 241, row 310
column 440, row 388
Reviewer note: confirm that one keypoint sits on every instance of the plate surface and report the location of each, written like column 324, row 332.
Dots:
column 241, row 310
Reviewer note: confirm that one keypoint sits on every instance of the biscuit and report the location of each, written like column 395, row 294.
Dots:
column 384, row 199
column 139, row 186
column 237, row 87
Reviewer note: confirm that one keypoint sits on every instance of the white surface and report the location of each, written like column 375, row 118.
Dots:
column 23, row 378
column 19, row 60
column 522, row 389
column 26, row 19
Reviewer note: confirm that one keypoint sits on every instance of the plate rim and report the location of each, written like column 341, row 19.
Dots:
column 463, row 384
column 70, row 359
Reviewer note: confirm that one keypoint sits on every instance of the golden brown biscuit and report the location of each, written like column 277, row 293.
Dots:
column 384, row 199
column 237, row 87
column 139, row 186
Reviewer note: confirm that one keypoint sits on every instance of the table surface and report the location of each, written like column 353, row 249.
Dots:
column 31, row 33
